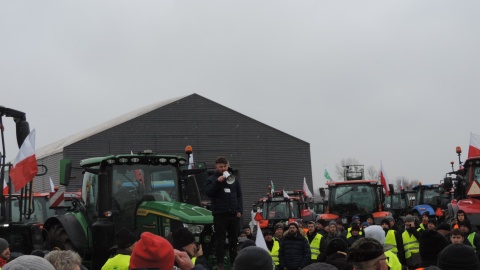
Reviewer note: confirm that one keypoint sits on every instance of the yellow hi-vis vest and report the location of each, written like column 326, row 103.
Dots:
column 119, row 262
column 470, row 239
column 315, row 246
column 392, row 260
column 349, row 232
column 274, row 252
column 391, row 240
column 410, row 244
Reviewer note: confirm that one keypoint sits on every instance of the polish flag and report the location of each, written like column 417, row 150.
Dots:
column 285, row 195
column 24, row 166
column 474, row 148
column 5, row 187
column 305, row 188
column 383, row 180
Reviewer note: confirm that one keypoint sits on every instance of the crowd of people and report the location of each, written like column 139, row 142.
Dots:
column 420, row 243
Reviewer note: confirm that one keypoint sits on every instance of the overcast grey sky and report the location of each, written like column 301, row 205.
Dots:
column 390, row 81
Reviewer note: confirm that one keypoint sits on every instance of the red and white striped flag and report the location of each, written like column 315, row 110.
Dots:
column 24, row 166
column 383, row 180
column 474, row 147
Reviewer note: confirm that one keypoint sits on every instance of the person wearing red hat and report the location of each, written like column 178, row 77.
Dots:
column 154, row 251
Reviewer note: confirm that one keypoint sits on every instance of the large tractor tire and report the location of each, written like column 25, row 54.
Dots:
column 58, row 238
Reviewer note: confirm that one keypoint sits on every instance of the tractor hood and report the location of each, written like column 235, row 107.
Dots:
column 183, row 212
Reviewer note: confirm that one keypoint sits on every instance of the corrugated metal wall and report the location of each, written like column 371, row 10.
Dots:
column 260, row 152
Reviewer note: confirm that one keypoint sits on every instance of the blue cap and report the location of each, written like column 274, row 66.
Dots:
column 365, row 224
column 355, row 218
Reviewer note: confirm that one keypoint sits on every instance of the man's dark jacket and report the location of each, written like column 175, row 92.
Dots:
column 294, row 252
column 224, row 202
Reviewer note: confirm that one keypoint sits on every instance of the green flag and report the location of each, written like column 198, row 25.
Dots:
column 327, row 176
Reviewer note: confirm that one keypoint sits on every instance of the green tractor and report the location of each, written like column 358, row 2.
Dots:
column 141, row 192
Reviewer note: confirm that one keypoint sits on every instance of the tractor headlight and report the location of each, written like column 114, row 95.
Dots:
column 194, row 228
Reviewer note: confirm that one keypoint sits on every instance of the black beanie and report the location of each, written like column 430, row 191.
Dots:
column 125, row 238
column 431, row 243
column 458, row 256
column 182, row 237
column 365, row 249
column 337, row 244
column 355, row 227
column 444, row 226
column 253, row 258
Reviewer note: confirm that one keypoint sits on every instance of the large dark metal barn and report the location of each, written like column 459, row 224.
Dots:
column 261, row 153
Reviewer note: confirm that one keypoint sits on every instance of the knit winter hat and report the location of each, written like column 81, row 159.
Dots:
column 279, row 226
column 457, row 256
column 152, row 251
column 466, row 223
column 125, row 238
column 444, row 226
column 355, row 218
column 336, row 244
column 355, row 227
column 410, row 219
column 365, row 224
column 28, row 262
column 267, row 232
column 390, row 218
column 385, row 221
column 376, row 232
column 3, row 245
column 365, row 249
column 332, row 223
column 293, row 224
column 247, row 243
column 253, row 258
column 182, row 237
column 431, row 244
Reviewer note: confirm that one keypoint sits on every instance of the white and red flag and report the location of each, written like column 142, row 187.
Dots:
column 5, row 187
column 383, row 180
column 474, row 147
column 52, row 186
column 24, row 166
column 305, row 189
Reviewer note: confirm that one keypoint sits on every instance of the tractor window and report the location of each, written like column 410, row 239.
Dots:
column 353, row 199
column 431, row 196
column 89, row 192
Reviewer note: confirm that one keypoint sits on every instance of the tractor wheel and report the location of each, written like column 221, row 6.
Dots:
column 58, row 238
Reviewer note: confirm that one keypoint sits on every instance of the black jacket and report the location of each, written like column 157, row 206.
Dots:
column 294, row 252
column 226, row 198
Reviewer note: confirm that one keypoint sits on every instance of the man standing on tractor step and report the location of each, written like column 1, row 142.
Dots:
column 227, row 206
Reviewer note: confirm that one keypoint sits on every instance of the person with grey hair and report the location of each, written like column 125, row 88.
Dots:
column 64, row 260
column 29, row 262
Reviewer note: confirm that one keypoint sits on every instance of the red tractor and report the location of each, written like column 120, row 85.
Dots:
column 354, row 197
column 467, row 189
column 280, row 207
